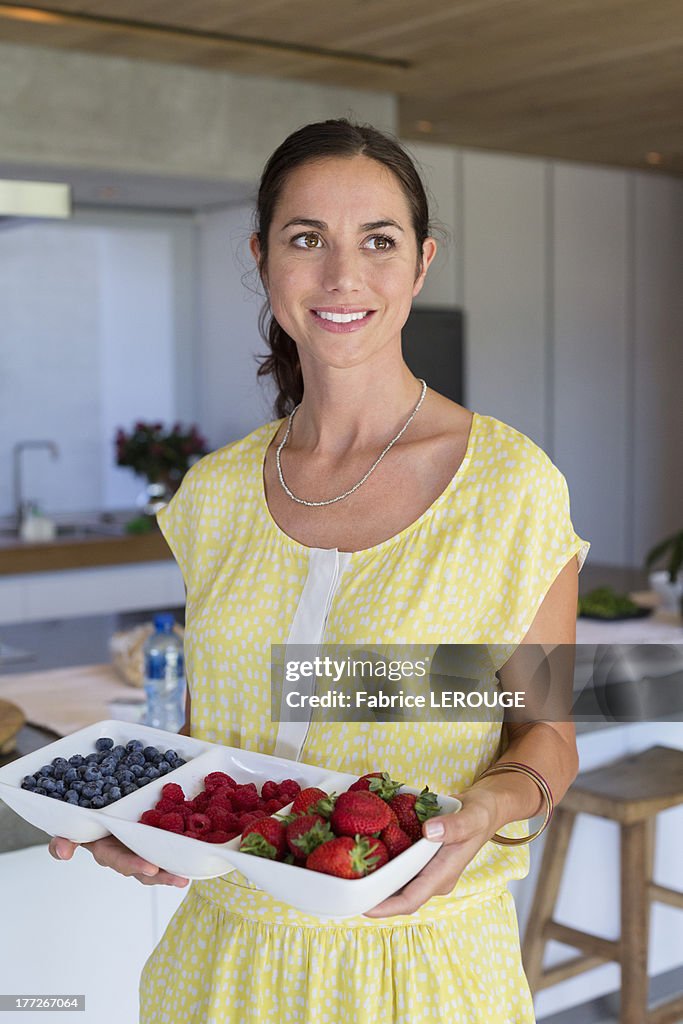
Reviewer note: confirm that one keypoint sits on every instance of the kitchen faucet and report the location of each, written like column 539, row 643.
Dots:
column 18, row 450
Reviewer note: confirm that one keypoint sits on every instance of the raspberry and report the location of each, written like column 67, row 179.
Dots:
column 221, row 798
column 220, row 818
column 172, row 822
column 172, row 791
column 218, row 836
column 201, row 801
column 245, row 798
column 269, row 790
column 151, row 818
column 271, row 806
column 214, row 780
column 289, row 788
column 247, row 818
column 199, row 823
column 164, row 806
column 192, row 835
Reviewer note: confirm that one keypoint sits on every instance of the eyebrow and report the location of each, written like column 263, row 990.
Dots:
column 373, row 225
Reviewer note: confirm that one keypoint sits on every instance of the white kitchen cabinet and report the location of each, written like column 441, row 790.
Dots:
column 78, row 928
column 131, row 587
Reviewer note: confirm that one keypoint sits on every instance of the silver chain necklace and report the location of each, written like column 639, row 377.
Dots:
column 373, row 467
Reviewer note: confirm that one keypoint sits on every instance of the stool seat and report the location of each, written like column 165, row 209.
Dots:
column 631, row 792
column 631, row 789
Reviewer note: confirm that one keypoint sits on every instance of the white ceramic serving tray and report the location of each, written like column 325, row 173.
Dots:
column 82, row 824
column 309, row 891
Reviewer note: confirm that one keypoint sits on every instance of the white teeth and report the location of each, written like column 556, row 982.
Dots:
column 341, row 318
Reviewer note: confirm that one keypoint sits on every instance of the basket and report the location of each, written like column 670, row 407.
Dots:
column 126, row 649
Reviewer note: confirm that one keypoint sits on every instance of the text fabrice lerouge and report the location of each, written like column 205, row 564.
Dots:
column 400, row 699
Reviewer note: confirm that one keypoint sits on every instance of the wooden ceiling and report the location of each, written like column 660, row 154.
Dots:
column 599, row 81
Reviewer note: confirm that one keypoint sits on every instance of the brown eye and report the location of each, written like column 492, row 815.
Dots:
column 379, row 243
column 311, row 240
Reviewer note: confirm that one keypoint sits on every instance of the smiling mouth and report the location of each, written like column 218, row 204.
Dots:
column 341, row 322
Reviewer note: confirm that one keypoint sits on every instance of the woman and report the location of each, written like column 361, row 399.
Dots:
column 377, row 511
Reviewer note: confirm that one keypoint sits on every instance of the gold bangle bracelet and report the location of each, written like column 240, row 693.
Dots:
column 545, row 790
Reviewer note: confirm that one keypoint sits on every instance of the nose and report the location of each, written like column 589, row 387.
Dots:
column 342, row 270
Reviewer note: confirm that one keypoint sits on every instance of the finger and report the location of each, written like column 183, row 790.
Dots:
column 111, row 853
column 61, row 848
column 458, row 826
column 163, row 878
column 438, row 878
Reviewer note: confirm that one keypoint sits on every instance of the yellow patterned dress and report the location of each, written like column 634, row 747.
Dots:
column 474, row 568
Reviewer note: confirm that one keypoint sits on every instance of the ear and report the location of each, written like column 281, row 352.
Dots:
column 428, row 253
column 255, row 248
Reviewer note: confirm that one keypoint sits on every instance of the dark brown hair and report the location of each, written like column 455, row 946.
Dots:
column 314, row 142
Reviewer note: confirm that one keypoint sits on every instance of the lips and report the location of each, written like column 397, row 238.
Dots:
column 341, row 319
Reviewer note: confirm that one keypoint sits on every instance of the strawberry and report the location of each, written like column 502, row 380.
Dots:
column 395, row 840
column 412, row 810
column 306, row 832
column 313, row 801
column 214, row 780
column 359, row 812
column 345, row 857
column 265, row 838
column 380, row 783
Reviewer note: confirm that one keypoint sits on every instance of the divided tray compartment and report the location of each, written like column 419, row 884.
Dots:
column 84, row 824
column 193, row 858
column 324, row 895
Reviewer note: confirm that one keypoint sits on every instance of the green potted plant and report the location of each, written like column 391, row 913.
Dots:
column 161, row 455
column 669, row 582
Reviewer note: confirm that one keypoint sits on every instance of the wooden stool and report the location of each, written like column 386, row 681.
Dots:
column 630, row 791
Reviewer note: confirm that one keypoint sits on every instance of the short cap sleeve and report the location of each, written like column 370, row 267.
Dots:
column 177, row 522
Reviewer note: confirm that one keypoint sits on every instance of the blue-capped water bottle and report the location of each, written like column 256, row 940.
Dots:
column 164, row 676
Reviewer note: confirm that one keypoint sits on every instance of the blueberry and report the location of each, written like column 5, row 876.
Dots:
column 78, row 786
column 77, row 760
column 91, row 774
column 108, row 766
column 60, row 787
column 28, row 782
column 59, row 762
column 118, row 752
column 40, row 791
column 151, row 772
column 89, row 792
column 47, row 770
column 134, row 745
column 55, row 795
column 47, row 784
column 70, row 775
column 84, row 802
column 115, row 793
column 129, row 788
column 135, row 758
column 104, row 743
column 124, row 775
column 97, row 802
column 71, row 796
column 180, row 762
column 91, row 758
column 152, row 754
column 171, row 755
column 143, row 780
column 163, row 766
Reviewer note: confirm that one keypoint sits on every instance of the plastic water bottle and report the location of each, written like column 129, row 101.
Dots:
column 164, row 676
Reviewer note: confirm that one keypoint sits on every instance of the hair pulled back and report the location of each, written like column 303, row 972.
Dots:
column 333, row 138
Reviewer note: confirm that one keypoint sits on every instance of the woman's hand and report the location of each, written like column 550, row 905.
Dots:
column 111, row 853
column 465, row 832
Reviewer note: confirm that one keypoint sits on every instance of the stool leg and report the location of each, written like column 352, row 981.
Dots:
column 635, row 915
column 545, row 896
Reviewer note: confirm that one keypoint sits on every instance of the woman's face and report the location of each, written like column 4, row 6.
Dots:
column 342, row 265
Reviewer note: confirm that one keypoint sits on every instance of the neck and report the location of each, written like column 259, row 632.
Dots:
column 351, row 409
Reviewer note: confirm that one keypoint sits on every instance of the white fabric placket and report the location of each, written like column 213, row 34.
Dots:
column 326, row 567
